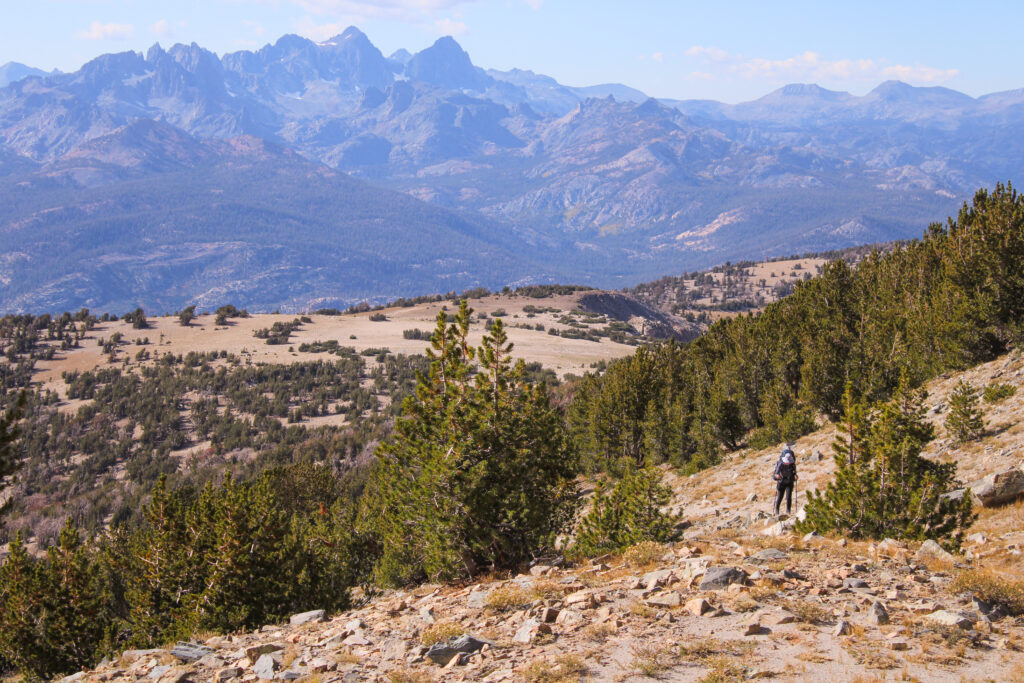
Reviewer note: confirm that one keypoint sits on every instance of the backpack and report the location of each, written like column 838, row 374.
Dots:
column 786, row 473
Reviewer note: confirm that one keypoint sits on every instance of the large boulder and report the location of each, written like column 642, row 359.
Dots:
column 442, row 653
column 717, row 578
column 999, row 488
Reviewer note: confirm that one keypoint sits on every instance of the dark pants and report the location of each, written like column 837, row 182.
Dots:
column 785, row 488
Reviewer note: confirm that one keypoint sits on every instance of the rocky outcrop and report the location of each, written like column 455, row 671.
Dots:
column 645, row 320
column 999, row 488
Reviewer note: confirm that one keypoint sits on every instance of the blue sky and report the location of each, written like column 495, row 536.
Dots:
column 723, row 50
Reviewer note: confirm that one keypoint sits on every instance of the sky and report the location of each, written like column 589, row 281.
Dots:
column 724, row 50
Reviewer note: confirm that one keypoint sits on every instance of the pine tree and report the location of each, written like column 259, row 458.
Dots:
column 883, row 486
column 965, row 421
column 55, row 612
column 9, row 436
column 186, row 316
column 628, row 514
column 478, row 472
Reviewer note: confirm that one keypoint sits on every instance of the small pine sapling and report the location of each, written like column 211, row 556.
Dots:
column 965, row 421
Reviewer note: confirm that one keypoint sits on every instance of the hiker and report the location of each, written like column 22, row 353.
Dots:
column 785, row 477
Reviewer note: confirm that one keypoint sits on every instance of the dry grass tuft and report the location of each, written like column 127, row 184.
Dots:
column 743, row 603
column 547, row 589
column 441, row 631
column 706, row 648
column 652, row 660
column 599, row 632
column 407, row 675
column 508, row 598
column 723, row 669
column 564, row 669
column 991, row 587
column 643, row 554
column 808, row 612
column 642, row 610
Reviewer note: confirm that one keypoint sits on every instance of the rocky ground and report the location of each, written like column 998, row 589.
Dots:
column 739, row 597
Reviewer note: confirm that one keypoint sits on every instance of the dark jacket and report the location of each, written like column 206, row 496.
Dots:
column 785, row 474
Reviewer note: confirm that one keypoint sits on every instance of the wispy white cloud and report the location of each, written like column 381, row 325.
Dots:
column 658, row 57
column 166, row 29
column 535, row 4
column 254, row 26
column 450, row 27
column 98, row 31
column 381, row 9
column 810, row 66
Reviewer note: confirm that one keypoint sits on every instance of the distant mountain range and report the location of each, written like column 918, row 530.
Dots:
column 144, row 179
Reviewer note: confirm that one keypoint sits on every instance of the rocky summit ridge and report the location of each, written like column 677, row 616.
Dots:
column 739, row 597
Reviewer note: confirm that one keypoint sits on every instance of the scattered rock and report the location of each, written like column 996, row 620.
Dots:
column 253, row 652
column 930, row 550
column 769, row 555
column 778, row 617
column 878, row 614
column 812, row 536
column 227, row 674
column 898, row 645
column 190, row 652
column 753, row 628
column 842, row 628
column 582, row 599
column 947, row 617
column 442, row 653
column 548, row 615
column 266, row 667
column 307, row 617
column 669, row 599
column 698, row 607
column 977, row 538
column 530, row 630
column 652, row 580
column 717, row 578
column 853, row 582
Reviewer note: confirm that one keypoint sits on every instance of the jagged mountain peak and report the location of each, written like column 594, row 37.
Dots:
column 349, row 34
column 445, row 64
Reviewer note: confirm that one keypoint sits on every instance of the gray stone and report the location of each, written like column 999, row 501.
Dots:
column 253, row 652
column 698, row 607
column 655, row 579
column 530, row 629
column 947, row 617
column 307, row 617
column 227, row 674
column 442, row 653
column 129, row 656
column 930, row 550
column 842, row 628
column 812, row 536
column 999, row 488
column 157, row 671
column 956, row 495
column 716, row 578
column 190, row 652
column 667, row 599
column 877, row 614
column 768, row 555
column 977, row 538
column 854, row 582
column 73, row 677
column 548, row 615
column 477, row 599
column 266, row 667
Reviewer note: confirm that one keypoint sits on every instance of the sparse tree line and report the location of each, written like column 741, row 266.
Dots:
column 480, row 471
